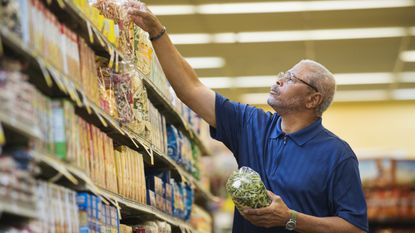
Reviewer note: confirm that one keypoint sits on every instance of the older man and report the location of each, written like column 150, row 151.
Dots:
column 312, row 174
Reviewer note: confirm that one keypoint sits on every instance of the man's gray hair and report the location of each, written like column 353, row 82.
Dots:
column 320, row 77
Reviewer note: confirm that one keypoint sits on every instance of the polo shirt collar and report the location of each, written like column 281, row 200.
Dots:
column 302, row 136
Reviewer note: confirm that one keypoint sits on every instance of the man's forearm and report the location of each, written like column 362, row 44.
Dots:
column 311, row 224
column 180, row 75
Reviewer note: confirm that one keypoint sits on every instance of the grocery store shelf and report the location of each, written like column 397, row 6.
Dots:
column 17, row 210
column 186, row 176
column 21, row 127
column 147, row 210
column 83, row 183
column 103, row 120
column 119, row 132
column 172, row 116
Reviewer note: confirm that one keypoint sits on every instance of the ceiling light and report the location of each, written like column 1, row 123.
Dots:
column 205, row 62
column 254, row 98
column 363, row 78
column 404, row 94
column 173, row 9
column 408, row 56
column 197, row 38
column 407, row 77
column 238, row 82
column 361, row 95
column 254, row 81
column 217, row 82
column 283, row 36
column 275, row 7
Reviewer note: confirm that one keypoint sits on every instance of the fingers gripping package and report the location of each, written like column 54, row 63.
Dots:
column 247, row 190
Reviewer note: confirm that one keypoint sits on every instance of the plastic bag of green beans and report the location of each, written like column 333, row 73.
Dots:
column 247, row 190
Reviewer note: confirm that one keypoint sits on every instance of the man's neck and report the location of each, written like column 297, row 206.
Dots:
column 293, row 122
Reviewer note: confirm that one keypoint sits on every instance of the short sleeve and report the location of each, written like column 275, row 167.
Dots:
column 231, row 117
column 347, row 197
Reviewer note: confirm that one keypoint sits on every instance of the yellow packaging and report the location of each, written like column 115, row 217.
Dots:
column 2, row 137
column 94, row 16
column 111, row 32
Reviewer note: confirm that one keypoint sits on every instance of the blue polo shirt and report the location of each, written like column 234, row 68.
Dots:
column 314, row 171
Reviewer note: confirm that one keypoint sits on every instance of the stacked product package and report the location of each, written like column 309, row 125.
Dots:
column 158, row 78
column 131, row 40
column 34, row 108
column 201, row 220
column 84, row 145
column 130, row 174
column 169, row 196
column 95, row 216
column 159, row 131
column 152, row 227
column 180, row 148
column 57, row 207
column 88, row 80
column 40, row 30
column 124, row 97
column 17, row 185
column 107, row 26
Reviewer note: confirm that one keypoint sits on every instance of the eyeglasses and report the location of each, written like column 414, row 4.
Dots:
column 290, row 78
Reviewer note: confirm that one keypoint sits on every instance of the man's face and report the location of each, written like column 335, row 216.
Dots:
column 288, row 94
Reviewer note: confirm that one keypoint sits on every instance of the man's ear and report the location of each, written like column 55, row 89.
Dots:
column 314, row 100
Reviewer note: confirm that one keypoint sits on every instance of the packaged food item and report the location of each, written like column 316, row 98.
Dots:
column 247, row 190
column 106, row 87
column 201, row 220
column 173, row 143
column 143, row 52
column 146, row 227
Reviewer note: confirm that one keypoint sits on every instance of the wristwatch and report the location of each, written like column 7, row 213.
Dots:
column 292, row 223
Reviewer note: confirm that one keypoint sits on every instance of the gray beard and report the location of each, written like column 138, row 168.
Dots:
column 295, row 104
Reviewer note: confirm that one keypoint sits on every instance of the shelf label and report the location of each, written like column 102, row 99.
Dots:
column 45, row 72
column 58, row 166
column 58, row 80
column 72, row 91
column 116, row 61
column 91, row 36
column 2, row 136
column 100, row 40
column 86, row 104
column 112, row 53
column 132, row 139
column 61, row 4
column 104, row 123
column 116, row 126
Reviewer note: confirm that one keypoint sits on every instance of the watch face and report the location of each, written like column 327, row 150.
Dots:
column 290, row 225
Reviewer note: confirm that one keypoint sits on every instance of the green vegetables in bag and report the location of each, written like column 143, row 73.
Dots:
column 247, row 190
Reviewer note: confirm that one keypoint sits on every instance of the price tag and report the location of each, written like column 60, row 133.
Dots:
column 45, row 72
column 91, row 35
column 104, row 123
column 100, row 40
column 116, row 61
column 58, row 80
column 86, row 104
column 61, row 4
column 112, row 53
